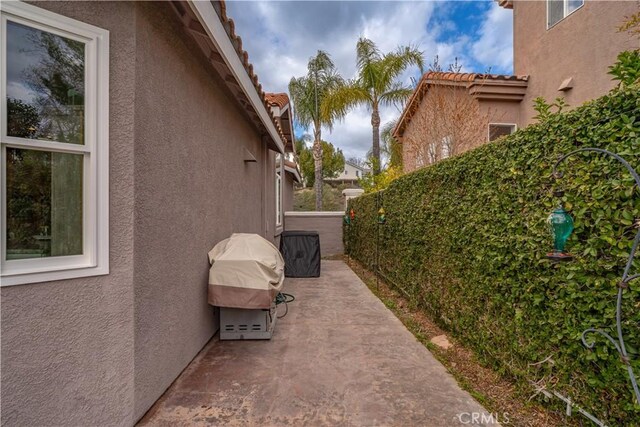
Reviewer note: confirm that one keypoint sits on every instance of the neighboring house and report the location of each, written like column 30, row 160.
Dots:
column 288, row 168
column 450, row 113
column 154, row 143
column 350, row 175
column 562, row 48
column 566, row 47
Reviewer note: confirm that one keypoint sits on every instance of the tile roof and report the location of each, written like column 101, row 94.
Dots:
column 277, row 99
column 469, row 77
column 449, row 78
column 197, row 31
column 230, row 27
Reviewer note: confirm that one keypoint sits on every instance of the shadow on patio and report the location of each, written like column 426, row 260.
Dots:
column 338, row 357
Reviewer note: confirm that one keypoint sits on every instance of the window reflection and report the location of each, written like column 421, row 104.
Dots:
column 45, row 85
column 44, row 204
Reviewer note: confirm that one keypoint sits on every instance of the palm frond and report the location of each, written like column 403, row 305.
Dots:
column 308, row 92
column 390, row 147
column 396, row 95
column 366, row 52
column 395, row 63
column 343, row 98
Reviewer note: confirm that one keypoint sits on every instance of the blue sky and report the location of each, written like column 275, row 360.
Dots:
column 281, row 36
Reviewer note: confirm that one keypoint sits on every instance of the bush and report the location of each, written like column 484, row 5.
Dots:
column 466, row 238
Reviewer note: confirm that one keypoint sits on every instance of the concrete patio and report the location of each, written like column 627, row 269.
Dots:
column 339, row 357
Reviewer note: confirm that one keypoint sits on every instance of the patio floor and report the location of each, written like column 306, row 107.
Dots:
column 339, row 357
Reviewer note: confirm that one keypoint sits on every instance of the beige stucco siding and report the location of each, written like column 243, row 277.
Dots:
column 67, row 347
column 582, row 46
column 451, row 112
column 192, row 189
column 101, row 350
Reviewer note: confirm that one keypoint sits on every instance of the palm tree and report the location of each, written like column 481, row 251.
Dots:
column 376, row 85
column 391, row 148
column 308, row 94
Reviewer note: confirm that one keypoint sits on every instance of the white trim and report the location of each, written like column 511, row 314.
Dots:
column 95, row 205
column 279, row 187
column 314, row 213
column 514, row 125
column 209, row 19
column 565, row 12
column 294, row 172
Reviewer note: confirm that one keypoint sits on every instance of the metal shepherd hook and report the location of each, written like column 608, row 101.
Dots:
column 618, row 342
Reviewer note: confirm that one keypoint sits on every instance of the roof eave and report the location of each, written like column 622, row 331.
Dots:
column 211, row 23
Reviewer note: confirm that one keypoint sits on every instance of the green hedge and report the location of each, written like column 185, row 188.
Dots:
column 466, row 239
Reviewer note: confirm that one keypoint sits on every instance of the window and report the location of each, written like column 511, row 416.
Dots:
column 557, row 10
column 53, row 147
column 357, row 174
column 497, row 130
column 278, row 190
column 446, row 146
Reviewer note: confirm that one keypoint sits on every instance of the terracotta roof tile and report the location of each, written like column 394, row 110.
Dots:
column 443, row 77
column 229, row 26
column 469, row 77
column 277, row 99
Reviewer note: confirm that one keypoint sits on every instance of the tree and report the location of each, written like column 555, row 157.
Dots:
column 332, row 162
column 308, row 94
column 391, row 148
column 358, row 161
column 23, row 119
column 375, row 86
column 448, row 121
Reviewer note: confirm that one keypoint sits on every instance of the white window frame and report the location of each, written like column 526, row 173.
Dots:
column 445, row 147
column 565, row 12
column 513, row 125
column 95, row 255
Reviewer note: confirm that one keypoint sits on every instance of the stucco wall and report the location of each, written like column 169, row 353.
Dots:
column 451, row 111
column 327, row 224
column 67, row 347
column 101, row 350
column 192, row 189
column 582, row 46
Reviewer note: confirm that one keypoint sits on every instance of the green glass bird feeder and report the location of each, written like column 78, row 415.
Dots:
column 381, row 216
column 561, row 225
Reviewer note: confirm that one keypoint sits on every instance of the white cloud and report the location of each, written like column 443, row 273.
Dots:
column 281, row 36
column 495, row 45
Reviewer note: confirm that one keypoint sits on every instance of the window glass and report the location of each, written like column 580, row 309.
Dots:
column 45, row 85
column 496, row 131
column 573, row 5
column 44, row 203
column 555, row 11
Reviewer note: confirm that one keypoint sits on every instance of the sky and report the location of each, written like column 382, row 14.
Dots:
column 281, row 36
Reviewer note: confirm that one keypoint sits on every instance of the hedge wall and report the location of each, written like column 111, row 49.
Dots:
column 466, row 239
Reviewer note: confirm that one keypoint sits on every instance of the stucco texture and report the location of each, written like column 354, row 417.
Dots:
column 327, row 224
column 192, row 189
column 67, row 346
column 101, row 350
column 583, row 45
column 451, row 113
